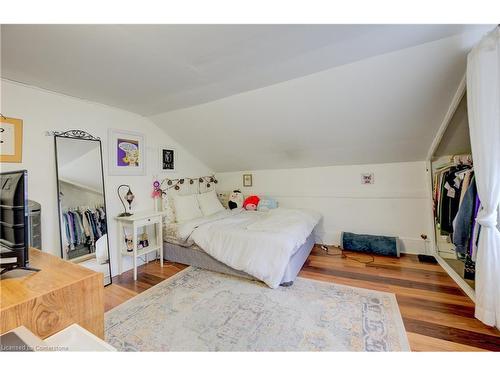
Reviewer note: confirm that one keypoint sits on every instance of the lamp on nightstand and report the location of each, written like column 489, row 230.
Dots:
column 129, row 197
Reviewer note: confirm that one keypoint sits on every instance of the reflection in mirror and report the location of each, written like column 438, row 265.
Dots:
column 455, row 196
column 82, row 208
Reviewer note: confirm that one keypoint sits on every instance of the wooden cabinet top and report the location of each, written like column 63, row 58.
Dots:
column 54, row 275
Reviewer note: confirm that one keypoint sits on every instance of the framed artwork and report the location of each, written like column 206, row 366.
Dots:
column 367, row 178
column 167, row 159
column 127, row 153
column 247, row 180
column 11, row 140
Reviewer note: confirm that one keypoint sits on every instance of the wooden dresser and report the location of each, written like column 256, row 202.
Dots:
column 60, row 294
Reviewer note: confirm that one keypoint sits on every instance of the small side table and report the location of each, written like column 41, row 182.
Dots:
column 135, row 222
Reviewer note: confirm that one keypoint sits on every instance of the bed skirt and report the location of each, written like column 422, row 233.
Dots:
column 194, row 256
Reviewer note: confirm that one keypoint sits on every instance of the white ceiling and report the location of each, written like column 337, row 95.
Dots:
column 151, row 69
column 382, row 109
column 243, row 97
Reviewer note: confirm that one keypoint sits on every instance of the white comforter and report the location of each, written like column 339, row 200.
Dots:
column 258, row 243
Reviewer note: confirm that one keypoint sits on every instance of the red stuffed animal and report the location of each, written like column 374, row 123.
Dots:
column 251, row 203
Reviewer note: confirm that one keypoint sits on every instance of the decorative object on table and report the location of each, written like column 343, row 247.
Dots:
column 129, row 197
column 127, row 153
column 157, row 195
column 367, row 178
column 247, row 180
column 144, row 241
column 11, row 140
column 235, row 200
column 157, row 192
column 267, row 203
column 128, row 239
column 129, row 242
column 167, row 159
column 251, row 203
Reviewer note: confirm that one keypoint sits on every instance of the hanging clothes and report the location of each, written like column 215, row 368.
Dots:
column 463, row 225
column 450, row 198
column 456, row 205
column 82, row 228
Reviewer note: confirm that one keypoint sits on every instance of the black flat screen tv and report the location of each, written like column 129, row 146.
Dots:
column 14, row 240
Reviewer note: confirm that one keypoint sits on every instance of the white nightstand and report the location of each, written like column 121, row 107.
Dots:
column 134, row 223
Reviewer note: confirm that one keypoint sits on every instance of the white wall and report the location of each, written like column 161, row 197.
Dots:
column 75, row 196
column 396, row 204
column 42, row 111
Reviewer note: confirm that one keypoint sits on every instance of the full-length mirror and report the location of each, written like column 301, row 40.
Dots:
column 82, row 205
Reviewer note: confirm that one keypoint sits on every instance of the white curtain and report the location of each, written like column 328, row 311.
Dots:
column 483, row 98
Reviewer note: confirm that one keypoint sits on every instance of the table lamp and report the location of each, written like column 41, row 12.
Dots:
column 129, row 197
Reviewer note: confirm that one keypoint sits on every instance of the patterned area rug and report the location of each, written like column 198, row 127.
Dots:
column 199, row 310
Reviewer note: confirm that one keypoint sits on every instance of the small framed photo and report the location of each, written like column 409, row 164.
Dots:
column 11, row 139
column 247, row 180
column 167, row 159
column 127, row 153
column 367, row 178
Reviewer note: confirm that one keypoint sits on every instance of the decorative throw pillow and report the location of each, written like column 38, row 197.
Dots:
column 168, row 208
column 209, row 203
column 267, row 203
column 224, row 198
column 186, row 208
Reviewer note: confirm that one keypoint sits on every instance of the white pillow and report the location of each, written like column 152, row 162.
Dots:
column 186, row 207
column 209, row 203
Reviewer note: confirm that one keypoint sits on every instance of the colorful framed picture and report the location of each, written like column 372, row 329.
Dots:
column 167, row 159
column 11, row 140
column 127, row 153
column 247, row 180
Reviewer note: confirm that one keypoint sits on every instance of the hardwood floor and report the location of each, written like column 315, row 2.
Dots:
column 437, row 315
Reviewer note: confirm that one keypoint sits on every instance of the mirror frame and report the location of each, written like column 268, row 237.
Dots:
column 82, row 136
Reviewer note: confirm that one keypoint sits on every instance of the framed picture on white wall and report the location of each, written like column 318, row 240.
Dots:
column 11, row 140
column 127, row 153
column 167, row 159
column 247, row 180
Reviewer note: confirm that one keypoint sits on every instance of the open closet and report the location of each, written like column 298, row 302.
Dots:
column 455, row 202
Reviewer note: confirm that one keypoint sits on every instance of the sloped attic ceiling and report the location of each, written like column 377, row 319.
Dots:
column 151, row 69
column 322, row 94
column 385, row 108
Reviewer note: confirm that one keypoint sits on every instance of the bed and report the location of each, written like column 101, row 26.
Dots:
column 270, row 246
column 195, row 256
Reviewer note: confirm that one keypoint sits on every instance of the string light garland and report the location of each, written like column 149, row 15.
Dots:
column 177, row 182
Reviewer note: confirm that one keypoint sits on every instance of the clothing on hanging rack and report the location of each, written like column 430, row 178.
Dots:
column 83, row 227
column 463, row 225
column 456, row 204
column 449, row 202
